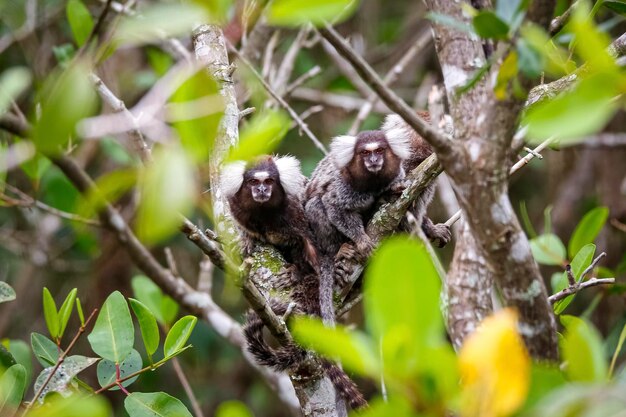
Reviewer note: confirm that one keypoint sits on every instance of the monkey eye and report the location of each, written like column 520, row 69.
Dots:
column 379, row 151
column 364, row 152
column 269, row 181
column 254, row 181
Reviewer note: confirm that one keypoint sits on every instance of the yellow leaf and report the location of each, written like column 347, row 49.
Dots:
column 495, row 368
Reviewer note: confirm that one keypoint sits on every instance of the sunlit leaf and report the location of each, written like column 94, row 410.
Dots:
column 21, row 352
column 395, row 406
column 260, row 136
column 139, row 404
column 159, row 60
column 196, row 110
column 50, row 313
column 544, row 378
column 107, row 373
column 581, row 348
column 351, row 348
column 35, row 167
column 296, row 12
column 588, row 229
column 178, row 335
column 109, row 188
column 13, row 82
column 60, row 381
column 232, row 409
column 556, row 60
column 495, row 368
column 45, row 350
column 79, row 309
column 581, row 261
column 507, row 73
column 162, row 306
column 147, row 325
column 80, row 20
column 66, row 311
column 7, row 293
column 158, row 22
column 65, row 99
column 73, row 406
column 168, row 189
column 590, row 43
column 12, row 386
column 548, row 249
column 490, row 26
column 113, row 334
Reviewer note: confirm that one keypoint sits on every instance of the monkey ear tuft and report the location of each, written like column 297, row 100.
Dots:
column 342, row 150
column 231, row 177
column 398, row 134
column 290, row 175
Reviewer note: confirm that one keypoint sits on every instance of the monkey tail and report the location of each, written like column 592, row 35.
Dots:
column 346, row 387
column 281, row 358
column 327, row 280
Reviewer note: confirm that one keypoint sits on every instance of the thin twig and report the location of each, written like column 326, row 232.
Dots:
column 187, row 387
column 60, row 361
column 316, row 70
column 280, row 101
column 570, row 277
column 591, row 266
column 579, row 287
column 97, row 28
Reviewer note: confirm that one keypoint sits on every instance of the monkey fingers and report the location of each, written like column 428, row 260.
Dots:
column 440, row 234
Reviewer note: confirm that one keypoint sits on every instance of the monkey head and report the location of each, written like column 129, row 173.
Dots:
column 371, row 159
column 264, row 182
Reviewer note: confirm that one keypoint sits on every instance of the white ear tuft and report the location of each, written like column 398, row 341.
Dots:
column 291, row 177
column 342, row 150
column 398, row 134
column 231, row 177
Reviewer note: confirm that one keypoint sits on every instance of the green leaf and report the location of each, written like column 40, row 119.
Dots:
column 618, row 349
column 13, row 82
column 107, row 372
column 490, row 26
column 296, row 12
column 507, row 10
column 351, row 348
column 45, row 350
column 197, row 130
column 581, row 348
column 616, row 6
column 590, row 43
column 548, row 249
column 113, row 334
column 73, row 406
column 139, row 404
column 406, row 316
column 178, row 335
column 147, row 324
column 232, row 409
column 60, row 381
column 168, row 189
column 588, row 229
column 260, row 136
column 147, row 292
column 66, row 98
column 7, row 293
column 79, row 308
column 80, row 20
column 158, row 22
column 544, row 378
column 580, row 262
column 576, row 113
column 531, row 62
column 66, row 311
column 50, row 313
column 6, row 359
column 20, row 351
column 12, row 386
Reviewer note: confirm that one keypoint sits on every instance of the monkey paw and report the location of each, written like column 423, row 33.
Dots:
column 344, row 261
column 440, row 234
column 285, row 277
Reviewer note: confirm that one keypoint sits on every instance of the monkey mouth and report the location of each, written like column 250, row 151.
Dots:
column 261, row 198
column 374, row 168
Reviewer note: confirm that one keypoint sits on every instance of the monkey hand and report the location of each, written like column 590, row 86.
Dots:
column 344, row 261
column 440, row 234
column 398, row 187
column 285, row 278
column 364, row 247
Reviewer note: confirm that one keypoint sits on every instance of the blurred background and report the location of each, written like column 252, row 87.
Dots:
column 40, row 248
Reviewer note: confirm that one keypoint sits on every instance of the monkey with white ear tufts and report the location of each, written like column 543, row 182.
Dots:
column 342, row 194
column 420, row 150
column 265, row 199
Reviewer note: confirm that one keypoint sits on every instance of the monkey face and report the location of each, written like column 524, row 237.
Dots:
column 261, row 187
column 373, row 156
